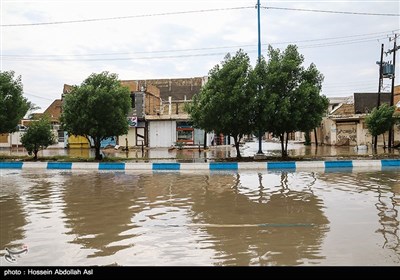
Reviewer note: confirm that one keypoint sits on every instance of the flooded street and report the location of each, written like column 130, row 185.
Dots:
column 200, row 218
column 249, row 149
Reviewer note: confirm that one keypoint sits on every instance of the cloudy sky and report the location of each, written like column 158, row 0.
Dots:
column 52, row 43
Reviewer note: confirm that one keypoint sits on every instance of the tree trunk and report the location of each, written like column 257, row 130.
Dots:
column 375, row 140
column 98, row 156
column 237, row 140
column 307, row 137
column 384, row 142
column 205, row 139
column 286, row 143
column 315, row 136
column 284, row 150
column 35, row 152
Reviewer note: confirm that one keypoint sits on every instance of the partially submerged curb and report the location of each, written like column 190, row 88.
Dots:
column 329, row 165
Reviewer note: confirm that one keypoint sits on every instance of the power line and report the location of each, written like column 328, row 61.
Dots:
column 37, row 96
column 389, row 32
column 54, row 57
column 193, row 12
column 339, row 43
column 118, row 58
column 331, row 12
column 369, row 84
column 125, row 17
column 44, row 59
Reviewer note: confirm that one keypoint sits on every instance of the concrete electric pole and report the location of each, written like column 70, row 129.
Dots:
column 395, row 48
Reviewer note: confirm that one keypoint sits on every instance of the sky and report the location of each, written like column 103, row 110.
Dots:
column 52, row 43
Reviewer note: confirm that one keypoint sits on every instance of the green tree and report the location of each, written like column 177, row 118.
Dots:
column 295, row 94
column 264, row 102
column 97, row 109
column 312, row 105
column 13, row 106
column 380, row 120
column 224, row 104
column 38, row 136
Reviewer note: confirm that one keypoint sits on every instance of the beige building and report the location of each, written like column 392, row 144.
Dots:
column 345, row 124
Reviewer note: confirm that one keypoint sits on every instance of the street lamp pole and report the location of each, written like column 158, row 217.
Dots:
column 259, row 59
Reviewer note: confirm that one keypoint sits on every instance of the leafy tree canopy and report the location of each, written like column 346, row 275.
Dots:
column 38, row 136
column 13, row 105
column 98, row 108
column 294, row 93
column 380, row 119
column 225, row 103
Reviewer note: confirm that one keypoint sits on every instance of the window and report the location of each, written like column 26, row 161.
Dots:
column 185, row 136
column 60, row 134
column 184, row 132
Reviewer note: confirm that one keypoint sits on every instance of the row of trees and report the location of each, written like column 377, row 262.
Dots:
column 279, row 96
column 96, row 109
column 13, row 107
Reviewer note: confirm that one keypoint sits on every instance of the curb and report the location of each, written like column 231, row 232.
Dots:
column 339, row 165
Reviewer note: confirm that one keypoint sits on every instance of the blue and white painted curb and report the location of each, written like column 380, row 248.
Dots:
column 339, row 165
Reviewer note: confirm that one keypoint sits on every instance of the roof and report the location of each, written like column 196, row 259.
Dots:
column 54, row 110
column 343, row 109
column 67, row 88
column 134, row 87
column 338, row 100
column 178, row 89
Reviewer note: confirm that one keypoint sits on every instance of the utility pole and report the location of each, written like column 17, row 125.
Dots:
column 395, row 48
column 259, row 30
column 380, row 77
column 379, row 91
column 259, row 59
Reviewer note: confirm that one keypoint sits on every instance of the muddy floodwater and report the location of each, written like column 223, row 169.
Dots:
column 249, row 149
column 241, row 218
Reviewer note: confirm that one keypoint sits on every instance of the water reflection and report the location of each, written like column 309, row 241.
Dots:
column 385, row 190
column 389, row 220
column 185, row 218
column 242, row 202
column 13, row 215
column 98, row 211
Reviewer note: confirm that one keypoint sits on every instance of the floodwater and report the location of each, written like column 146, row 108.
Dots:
column 249, row 149
column 246, row 218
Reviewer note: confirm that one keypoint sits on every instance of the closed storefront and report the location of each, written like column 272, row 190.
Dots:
column 162, row 133
column 346, row 133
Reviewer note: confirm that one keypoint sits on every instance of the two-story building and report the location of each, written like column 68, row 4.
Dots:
column 157, row 117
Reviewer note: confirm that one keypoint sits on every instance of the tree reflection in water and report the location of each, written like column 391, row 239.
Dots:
column 13, row 219
column 272, row 201
column 384, row 191
column 191, row 218
column 97, row 211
